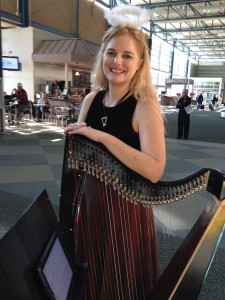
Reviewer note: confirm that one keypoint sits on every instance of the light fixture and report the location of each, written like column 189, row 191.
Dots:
column 195, row 48
column 153, row 13
column 77, row 73
column 211, row 8
column 221, row 33
column 177, row 35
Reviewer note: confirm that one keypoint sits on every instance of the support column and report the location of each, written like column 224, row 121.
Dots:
column 172, row 60
column 187, row 72
column 66, row 75
column 25, row 12
column 77, row 17
column 2, row 104
column 150, row 39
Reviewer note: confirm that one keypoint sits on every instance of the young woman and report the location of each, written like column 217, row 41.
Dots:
column 123, row 79
column 122, row 113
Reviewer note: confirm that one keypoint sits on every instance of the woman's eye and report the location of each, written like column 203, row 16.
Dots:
column 110, row 53
column 127, row 56
column 114, row 54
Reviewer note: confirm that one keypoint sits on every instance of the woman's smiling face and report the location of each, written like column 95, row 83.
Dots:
column 121, row 60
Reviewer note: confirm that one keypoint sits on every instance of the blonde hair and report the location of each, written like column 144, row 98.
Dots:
column 142, row 86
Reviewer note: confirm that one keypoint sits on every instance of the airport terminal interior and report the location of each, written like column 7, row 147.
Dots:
column 53, row 59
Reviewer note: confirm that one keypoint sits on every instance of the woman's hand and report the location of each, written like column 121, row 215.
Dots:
column 82, row 129
column 73, row 127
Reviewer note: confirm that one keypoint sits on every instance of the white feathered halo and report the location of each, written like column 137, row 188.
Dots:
column 127, row 15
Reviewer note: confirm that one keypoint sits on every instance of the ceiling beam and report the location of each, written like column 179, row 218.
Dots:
column 171, row 3
column 200, row 39
column 191, row 29
column 186, row 19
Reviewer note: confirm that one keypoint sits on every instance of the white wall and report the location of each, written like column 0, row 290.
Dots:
column 20, row 42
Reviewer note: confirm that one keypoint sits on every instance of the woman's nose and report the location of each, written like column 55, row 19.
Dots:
column 118, row 58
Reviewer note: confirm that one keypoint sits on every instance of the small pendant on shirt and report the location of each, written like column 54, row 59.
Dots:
column 104, row 121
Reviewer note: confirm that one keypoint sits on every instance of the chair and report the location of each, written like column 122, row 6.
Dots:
column 48, row 116
column 24, row 113
column 60, row 111
column 60, row 115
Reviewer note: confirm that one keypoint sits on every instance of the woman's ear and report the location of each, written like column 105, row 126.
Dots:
column 140, row 63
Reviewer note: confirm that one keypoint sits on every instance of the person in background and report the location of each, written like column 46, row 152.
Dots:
column 45, row 106
column 214, row 100
column 199, row 101
column 123, row 113
column 7, row 100
column 183, row 116
column 78, row 107
column 20, row 95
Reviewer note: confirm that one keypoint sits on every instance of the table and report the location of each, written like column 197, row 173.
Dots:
column 12, row 110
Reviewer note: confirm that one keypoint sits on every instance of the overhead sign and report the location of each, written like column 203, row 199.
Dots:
column 179, row 81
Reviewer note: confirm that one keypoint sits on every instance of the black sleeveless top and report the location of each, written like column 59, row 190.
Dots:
column 119, row 122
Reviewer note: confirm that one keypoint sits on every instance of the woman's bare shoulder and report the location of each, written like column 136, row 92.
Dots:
column 86, row 105
column 148, row 110
column 91, row 95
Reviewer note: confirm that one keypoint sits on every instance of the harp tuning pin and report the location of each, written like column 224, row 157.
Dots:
column 73, row 164
column 96, row 170
column 69, row 163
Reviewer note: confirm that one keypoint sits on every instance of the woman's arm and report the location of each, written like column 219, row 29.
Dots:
column 150, row 161
column 85, row 107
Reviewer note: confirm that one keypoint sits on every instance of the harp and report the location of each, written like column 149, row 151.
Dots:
column 88, row 168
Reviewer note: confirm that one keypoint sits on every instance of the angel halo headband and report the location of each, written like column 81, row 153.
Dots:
column 127, row 15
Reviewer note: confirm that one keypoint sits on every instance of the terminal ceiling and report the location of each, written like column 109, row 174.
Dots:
column 196, row 27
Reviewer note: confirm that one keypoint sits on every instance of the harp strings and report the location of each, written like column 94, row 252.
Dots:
column 174, row 221
column 112, row 230
column 123, row 243
column 180, row 216
column 114, row 213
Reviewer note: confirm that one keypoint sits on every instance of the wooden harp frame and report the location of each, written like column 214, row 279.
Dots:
column 184, row 275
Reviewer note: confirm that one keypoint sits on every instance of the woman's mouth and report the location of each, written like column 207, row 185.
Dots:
column 116, row 71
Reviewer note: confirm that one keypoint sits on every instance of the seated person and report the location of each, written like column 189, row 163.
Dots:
column 78, row 107
column 7, row 100
column 75, row 110
column 20, row 95
column 45, row 106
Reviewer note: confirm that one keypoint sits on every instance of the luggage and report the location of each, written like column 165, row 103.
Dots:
column 200, row 106
column 211, row 106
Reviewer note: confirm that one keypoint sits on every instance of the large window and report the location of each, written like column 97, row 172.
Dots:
column 179, row 64
column 160, row 62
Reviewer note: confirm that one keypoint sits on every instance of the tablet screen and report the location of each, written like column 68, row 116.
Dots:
column 56, row 270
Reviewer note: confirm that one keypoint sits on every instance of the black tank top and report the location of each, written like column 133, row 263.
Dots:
column 119, row 122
